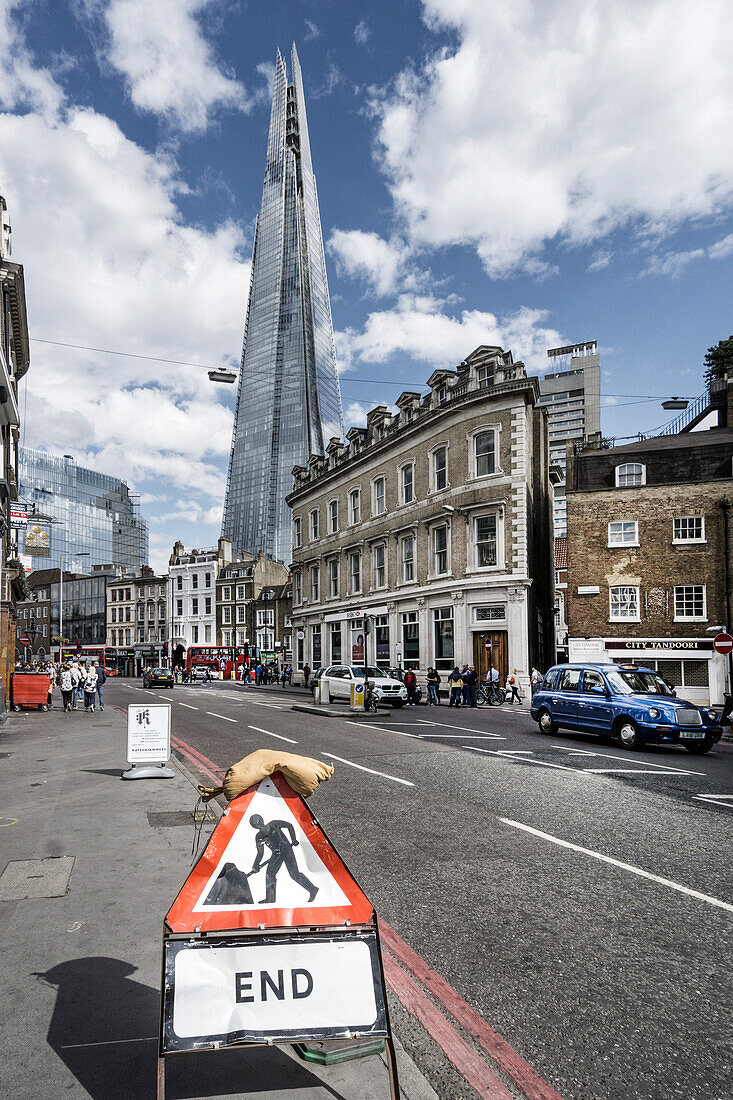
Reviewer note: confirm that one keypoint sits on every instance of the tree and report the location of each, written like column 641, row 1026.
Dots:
column 719, row 360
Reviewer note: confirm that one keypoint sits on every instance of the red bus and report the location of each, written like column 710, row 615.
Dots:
column 105, row 654
column 222, row 659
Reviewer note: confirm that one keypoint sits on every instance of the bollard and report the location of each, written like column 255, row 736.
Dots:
column 357, row 698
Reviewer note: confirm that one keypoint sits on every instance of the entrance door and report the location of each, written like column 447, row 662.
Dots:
column 488, row 649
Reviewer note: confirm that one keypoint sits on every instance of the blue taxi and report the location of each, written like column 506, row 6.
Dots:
column 630, row 703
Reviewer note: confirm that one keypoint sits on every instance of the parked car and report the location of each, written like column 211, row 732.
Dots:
column 158, row 677
column 635, row 705
column 399, row 674
column 339, row 678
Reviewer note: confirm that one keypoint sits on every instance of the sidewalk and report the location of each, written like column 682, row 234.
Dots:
column 80, row 963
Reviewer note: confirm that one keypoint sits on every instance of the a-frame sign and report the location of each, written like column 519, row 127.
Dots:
column 271, row 939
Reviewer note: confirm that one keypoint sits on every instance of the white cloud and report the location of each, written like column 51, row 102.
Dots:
column 312, row 30
column 169, row 67
column 600, row 261
column 362, row 34
column 672, row 264
column 22, row 84
column 721, row 249
column 422, row 329
column 560, row 119
column 355, row 415
column 368, row 256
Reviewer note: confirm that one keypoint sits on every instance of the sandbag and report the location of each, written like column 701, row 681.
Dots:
column 303, row 773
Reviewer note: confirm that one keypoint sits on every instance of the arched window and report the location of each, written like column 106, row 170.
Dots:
column 630, row 474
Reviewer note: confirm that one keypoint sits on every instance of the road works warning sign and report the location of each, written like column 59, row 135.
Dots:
column 268, row 863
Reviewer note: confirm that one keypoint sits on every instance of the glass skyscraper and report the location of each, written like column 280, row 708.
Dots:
column 77, row 518
column 289, row 403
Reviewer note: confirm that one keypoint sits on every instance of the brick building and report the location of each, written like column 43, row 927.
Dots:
column 649, row 574
column 436, row 524
column 138, row 620
column 253, row 606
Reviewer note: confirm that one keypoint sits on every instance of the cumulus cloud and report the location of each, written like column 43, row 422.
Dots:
column 555, row 120
column 355, row 415
column 673, row 263
column 169, row 67
column 370, row 257
column 721, row 249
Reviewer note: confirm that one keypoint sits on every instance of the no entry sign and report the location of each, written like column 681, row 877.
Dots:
column 723, row 643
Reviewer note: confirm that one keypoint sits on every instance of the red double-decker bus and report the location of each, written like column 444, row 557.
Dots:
column 223, row 659
column 105, row 654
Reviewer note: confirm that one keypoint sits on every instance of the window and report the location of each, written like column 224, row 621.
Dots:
column 569, row 679
column 442, row 394
column 381, row 639
column 316, row 646
column 241, row 614
column 114, row 614
column 194, row 606
column 179, row 608
column 408, row 558
column 315, row 523
column 410, row 639
column 141, row 635
column 624, row 603
column 128, row 593
column 227, row 636
column 688, row 529
column 314, row 583
column 440, row 550
column 194, row 635
column 297, row 532
column 623, row 532
column 194, row 580
column 226, row 593
column 333, row 581
column 355, row 562
column 483, row 452
column 407, row 483
column 140, row 614
column 207, row 605
column 207, row 633
column 379, row 579
column 380, row 496
column 333, row 517
column 114, row 594
column 630, row 474
column 355, row 506
column 266, row 618
column 226, row 615
column 179, row 582
column 207, row 580
column 485, row 535
column 240, row 591
column 440, row 468
column 443, row 628
column 296, row 588
column 485, row 376
column 336, row 643
column 689, row 601
column 592, row 680
column 241, row 637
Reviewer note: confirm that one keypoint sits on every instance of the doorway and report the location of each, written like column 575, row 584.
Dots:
column 491, row 648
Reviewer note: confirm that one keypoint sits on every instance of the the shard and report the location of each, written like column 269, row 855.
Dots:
column 288, row 403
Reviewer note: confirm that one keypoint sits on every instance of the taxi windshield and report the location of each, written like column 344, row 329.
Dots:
column 626, row 681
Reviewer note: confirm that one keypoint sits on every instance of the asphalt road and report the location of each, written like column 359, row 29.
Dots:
column 477, row 839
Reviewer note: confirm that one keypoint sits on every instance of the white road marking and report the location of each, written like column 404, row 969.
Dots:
column 223, row 716
column 405, row 782
column 466, row 729
column 465, row 736
column 627, row 771
column 381, row 729
column 642, row 763
column 618, row 863
column 256, row 703
column 279, row 736
column 719, row 799
column 187, row 705
column 506, row 756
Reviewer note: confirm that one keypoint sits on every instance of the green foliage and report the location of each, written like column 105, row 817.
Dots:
column 719, row 360
column 20, row 580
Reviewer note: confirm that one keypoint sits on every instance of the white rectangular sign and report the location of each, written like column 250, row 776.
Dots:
column 286, row 988
column 148, row 733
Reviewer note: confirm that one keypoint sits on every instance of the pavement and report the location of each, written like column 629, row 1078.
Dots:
column 87, row 877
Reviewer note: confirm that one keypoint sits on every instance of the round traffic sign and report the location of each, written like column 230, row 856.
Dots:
column 722, row 643
column 25, row 640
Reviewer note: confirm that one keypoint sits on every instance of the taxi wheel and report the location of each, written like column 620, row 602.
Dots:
column 545, row 722
column 628, row 734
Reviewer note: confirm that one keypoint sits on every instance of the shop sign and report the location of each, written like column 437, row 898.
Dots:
column 18, row 517
column 694, row 645
column 37, row 542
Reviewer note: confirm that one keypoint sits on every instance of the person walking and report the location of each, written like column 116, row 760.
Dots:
column 535, row 680
column 306, row 675
column 513, row 685
column 455, row 683
column 493, row 675
column 411, row 685
column 76, row 677
column 433, row 681
column 66, row 684
column 471, row 681
column 205, row 677
column 101, row 681
column 90, row 689
column 465, row 692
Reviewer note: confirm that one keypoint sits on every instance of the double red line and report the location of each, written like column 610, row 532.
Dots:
column 412, row 979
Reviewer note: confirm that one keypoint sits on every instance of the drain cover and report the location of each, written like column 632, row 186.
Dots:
column 169, row 818
column 36, row 878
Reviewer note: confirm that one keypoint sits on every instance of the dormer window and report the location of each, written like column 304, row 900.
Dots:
column 630, row 474
column 485, row 375
column 442, row 394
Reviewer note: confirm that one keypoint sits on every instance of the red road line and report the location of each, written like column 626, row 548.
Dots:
column 185, row 750
column 195, row 752
column 464, row 1058
column 515, row 1067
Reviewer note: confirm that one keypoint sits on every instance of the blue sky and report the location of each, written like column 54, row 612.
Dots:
column 529, row 175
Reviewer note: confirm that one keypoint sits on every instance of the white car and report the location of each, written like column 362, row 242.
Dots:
column 197, row 673
column 337, row 681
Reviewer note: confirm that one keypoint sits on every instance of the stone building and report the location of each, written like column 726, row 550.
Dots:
column 649, row 573
column 193, row 577
column 253, row 606
column 435, row 525
column 138, row 620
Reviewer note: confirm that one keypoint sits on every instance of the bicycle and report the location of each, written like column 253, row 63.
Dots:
column 371, row 699
column 490, row 693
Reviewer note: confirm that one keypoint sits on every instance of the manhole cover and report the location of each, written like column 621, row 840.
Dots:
column 36, row 878
column 168, row 818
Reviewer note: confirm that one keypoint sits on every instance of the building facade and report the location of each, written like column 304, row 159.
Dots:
column 435, row 526
column 76, row 609
column 253, row 607
column 561, row 598
column 138, row 620
column 14, row 363
column 34, row 623
column 192, row 595
column 78, row 516
column 572, row 397
column 289, row 402
column 649, row 574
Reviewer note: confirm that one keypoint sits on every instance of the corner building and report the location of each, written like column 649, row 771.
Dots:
column 435, row 523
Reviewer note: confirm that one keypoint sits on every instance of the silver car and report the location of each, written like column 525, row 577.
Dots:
column 337, row 681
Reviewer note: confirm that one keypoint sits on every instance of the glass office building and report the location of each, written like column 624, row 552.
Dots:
column 289, row 403
column 77, row 518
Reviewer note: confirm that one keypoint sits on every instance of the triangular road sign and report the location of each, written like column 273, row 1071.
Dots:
column 268, row 864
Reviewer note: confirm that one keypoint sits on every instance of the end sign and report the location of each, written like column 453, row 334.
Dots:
column 723, row 643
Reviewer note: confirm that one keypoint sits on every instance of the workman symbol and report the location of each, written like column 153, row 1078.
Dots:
column 232, row 885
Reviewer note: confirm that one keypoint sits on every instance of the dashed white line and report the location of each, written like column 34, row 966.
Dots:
column 372, row 771
column 269, row 733
column 214, row 715
column 618, row 863
column 612, row 756
column 628, row 771
column 507, row 756
column 381, row 729
column 719, row 799
column 186, row 705
column 466, row 729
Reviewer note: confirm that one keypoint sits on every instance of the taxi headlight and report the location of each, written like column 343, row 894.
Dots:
column 654, row 713
column 713, row 715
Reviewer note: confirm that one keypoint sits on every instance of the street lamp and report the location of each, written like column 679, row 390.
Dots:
column 222, row 375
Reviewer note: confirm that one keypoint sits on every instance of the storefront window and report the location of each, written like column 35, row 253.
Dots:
column 410, row 640
column 357, row 643
column 443, row 625
column 335, row 643
column 316, row 646
column 381, row 639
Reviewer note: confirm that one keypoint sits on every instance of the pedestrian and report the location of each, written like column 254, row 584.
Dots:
column 205, row 677
column 465, row 691
column 455, row 683
column 493, row 675
column 433, row 681
column 535, row 680
column 411, row 685
column 513, row 685
column 306, row 675
column 67, row 686
column 101, row 681
column 90, row 689
column 472, row 683
column 76, row 677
